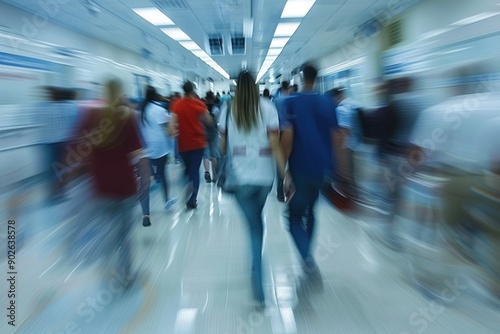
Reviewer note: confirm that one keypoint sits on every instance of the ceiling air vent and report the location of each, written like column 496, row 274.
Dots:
column 171, row 4
column 238, row 45
column 395, row 34
column 216, row 46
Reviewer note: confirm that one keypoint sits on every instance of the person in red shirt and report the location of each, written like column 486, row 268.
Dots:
column 188, row 115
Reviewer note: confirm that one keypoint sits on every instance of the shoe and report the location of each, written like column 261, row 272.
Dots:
column 313, row 280
column 207, row 177
column 280, row 198
column 192, row 205
column 258, row 292
column 258, row 297
column 170, row 203
column 214, row 179
column 145, row 221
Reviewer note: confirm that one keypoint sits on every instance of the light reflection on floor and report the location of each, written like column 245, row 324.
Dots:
column 196, row 279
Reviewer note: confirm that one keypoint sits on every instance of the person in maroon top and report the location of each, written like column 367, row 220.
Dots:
column 107, row 147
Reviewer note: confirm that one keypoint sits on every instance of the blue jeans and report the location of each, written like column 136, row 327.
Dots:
column 251, row 199
column 301, row 211
column 192, row 163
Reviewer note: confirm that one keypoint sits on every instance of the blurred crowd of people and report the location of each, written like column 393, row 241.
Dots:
column 434, row 165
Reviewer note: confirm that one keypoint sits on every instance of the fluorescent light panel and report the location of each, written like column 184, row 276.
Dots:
column 279, row 42
column 176, row 34
column 274, row 52
column 475, row 18
column 297, row 8
column 201, row 54
column 190, row 45
column 153, row 15
column 286, row 29
column 248, row 28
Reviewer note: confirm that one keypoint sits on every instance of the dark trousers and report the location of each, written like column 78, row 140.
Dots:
column 160, row 173
column 54, row 152
column 279, row 186
column 192, row 163
column 301, row 214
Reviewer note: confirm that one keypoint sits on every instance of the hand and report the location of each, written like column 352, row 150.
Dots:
column 173, row 130
column 288, row 186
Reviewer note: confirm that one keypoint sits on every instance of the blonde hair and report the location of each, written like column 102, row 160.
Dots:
column 245, row 107
column 116, row 110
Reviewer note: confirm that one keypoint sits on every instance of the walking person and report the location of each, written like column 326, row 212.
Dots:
column 188, row 115
column 112, row 145
column 252, row 135
column 153, row 125
column 307, row 140
column 211, row 153
column 278, row 102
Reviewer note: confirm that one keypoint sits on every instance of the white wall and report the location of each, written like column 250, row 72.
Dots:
column 22, row 23
column 423, row 18
column 430, row 15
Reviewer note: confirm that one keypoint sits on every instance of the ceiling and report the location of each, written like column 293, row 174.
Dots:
column 328, row 24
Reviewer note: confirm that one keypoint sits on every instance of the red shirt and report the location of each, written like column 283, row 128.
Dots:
column 191, row 131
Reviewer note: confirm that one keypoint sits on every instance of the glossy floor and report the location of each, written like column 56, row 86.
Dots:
column 195, row 277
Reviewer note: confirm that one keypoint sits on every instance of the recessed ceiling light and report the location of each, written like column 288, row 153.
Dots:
column 201, row 54
column 286, row 28
column 274, row 52
column 279, row 42
column 176, row 34
column 153, row 15
column 297, row 8
column 190, row 45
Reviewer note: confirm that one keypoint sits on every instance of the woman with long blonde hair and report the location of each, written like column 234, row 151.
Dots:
column 107, row 146
column 251, row 139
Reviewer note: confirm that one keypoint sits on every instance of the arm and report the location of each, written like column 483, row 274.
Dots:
column 216, row 111
column 287, row 141
column 343, row 135
column 222, row 130
column 278, row 152
column 222, row 143
column 207, row 118
column 281, row 153
column 165, row 127
column 173, row 126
